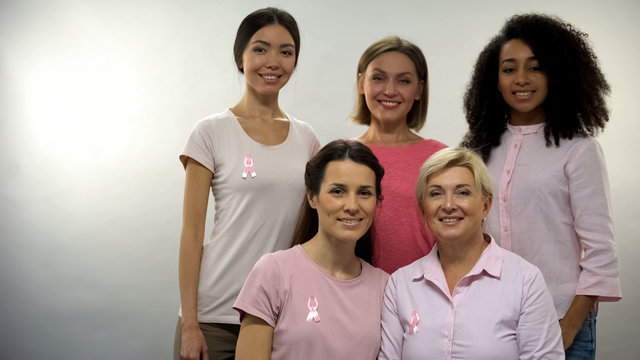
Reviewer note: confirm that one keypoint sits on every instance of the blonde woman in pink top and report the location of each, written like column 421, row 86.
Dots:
column 393, row 97
column 321, row 299
column 552, row 192
column 469, row 298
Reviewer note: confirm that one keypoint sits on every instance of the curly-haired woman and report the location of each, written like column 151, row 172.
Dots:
column 536, row 98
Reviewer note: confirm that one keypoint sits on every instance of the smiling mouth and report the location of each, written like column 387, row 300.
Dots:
column 450, row 220
column 388, row 103
column 523, row 94
column 270, row 76
column 350, row 221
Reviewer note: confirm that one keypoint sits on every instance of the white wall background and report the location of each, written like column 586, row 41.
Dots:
column 98, row 97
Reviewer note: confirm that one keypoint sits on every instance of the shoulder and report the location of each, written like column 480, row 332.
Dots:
column 433, row 144
column 280, row 257
column 223, row 118
column 375, row 278
column 583, row 152
column 514, row 264
column 409, row 272
column 374, row 271
column 304, row 127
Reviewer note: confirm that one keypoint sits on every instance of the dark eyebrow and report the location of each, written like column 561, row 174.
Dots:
column 265, row 43
column 512, row 60
column 261, row 42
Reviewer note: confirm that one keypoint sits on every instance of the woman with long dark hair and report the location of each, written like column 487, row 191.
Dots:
column 321, row 299
column 252, row 157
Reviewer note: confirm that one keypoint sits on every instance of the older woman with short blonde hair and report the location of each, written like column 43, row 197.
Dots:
column 468, row 298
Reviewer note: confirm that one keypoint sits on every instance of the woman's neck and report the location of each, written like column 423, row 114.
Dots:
column 337, row 258
column 459, row 257
column 463, row 253
column 255, row 105
column 389, row 135
column 529, row 118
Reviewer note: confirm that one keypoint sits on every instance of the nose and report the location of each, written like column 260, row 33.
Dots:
column 522, row 77
column 449, row 204
column 351, row 203
column 390, row 88
column 272, row 60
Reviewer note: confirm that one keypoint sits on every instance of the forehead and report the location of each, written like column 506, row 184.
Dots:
column 452, row 176
column 392, row 62
column 348, row 172
column 516, row 49
column 273, row 33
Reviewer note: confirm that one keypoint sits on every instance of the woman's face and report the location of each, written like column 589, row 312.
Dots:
column 269, row 59
column 521, row 81
column 346, row 201
column 454, row 207
column 390, row 86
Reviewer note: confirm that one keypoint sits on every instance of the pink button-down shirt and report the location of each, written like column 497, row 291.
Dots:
column 500, row 310
column 551, row 206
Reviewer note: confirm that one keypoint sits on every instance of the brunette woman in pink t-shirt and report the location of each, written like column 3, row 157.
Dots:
column 321, row 299
column 536, row 98
column 393, row 96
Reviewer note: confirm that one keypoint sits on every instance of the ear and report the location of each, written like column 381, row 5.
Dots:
column 360, row 84
column 487, row 205
column 420, row 89
column 312, row 199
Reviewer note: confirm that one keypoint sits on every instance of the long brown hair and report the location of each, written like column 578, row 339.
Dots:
column 307, row 226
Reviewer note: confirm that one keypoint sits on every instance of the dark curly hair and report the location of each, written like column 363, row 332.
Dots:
column 575, row 103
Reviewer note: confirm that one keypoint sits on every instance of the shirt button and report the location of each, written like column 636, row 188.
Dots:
column 504, row 229
column 508, row 171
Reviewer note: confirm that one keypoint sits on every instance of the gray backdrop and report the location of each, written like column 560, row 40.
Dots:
column 98, row 97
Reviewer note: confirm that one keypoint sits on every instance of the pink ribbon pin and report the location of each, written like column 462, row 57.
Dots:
column 248, row 167
column 313, row 309
column 415, row 319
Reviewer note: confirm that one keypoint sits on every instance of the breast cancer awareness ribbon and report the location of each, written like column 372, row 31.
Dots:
column 313, row 309
column 248, row 167
column 415, row 319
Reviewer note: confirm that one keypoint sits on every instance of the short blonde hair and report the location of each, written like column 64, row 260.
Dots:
column 417, row 116
column 451, row 157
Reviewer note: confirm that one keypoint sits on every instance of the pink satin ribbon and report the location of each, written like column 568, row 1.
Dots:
column 248, row 167
column 313, row 309
column 415, row 319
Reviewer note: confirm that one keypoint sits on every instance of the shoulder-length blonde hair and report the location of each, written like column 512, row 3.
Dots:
column 417, row 116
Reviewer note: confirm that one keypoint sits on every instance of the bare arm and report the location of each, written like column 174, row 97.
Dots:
column 255, row 339
column 194, row 213
column 572, row 321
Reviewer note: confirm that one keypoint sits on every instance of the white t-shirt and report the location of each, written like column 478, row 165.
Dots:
column 258, row 190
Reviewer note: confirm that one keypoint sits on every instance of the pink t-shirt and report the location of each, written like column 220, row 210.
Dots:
column 500, row 310
column 401, row 236
column 286, row 287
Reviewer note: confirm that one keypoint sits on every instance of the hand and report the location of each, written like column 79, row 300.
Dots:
column 193, row 345
column 573, row 320
column 569, row 332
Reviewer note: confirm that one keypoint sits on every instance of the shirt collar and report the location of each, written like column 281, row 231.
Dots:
column 490, row 261
column 526, row 129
